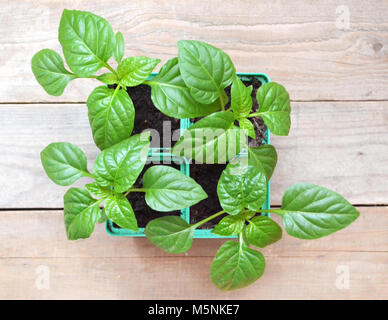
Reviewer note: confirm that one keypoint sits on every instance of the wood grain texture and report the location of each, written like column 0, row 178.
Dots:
column 340, row 145
column 312, row 276
column 41, row 234
column 304, row 45
column 127, row 268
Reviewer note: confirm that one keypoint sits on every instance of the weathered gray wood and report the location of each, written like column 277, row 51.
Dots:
column 313, row 276
column 41, row 234
column 339, row 145
column 127, row 268
column 306, row 46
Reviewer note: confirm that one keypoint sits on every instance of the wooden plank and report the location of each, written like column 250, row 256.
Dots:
column 33, row 244
column 41, row 234
column 339, row 145
column 308, row 48
column 308, row 277
column 127, row 268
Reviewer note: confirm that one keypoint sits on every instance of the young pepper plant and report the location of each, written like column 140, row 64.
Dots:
column 115, row 172
column 308, row 212
column 193, row 85
column 88, row 42
column 206, row 136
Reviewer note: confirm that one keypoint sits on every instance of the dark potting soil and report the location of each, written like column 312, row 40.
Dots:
column 147, row 116
column 143, row 212
column 208, row 174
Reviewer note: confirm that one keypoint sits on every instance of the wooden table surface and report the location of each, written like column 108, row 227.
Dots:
column 332, row 56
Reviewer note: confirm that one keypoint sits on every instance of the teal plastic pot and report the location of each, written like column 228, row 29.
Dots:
column 158, row 154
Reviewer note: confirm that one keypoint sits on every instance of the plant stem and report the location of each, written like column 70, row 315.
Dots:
column 88, row 174
column 272, row 210
column 255, row 114
column 135, row 190
column 116, row 90
column 194, row 226
column 110, row 68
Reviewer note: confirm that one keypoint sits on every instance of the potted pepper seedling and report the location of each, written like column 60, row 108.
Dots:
column 221, row 115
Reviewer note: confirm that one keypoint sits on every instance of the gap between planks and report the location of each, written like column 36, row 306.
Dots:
column 84, row 102
column 42, row 234
column 341, row 146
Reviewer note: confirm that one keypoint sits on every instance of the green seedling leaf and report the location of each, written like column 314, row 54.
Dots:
column 119, row 47
column 206, row 70
column 171, row 234
column 262, row 231
column 120, row 165
column 119, row 210
column 168, row 189
column 108, row 78
column 87, row 41
column 241, row 186
column 264, row 158
column 64, row 163
column 135, row 70
column 274, row 108
column 102, row 217
column 172, row 97
column 49, row 70
column 111, row 116
column 246, row 124
column 95, row 189
column 310, row 212
column 81, row 213
column 213, row 139
column 229, row 226
column 241, row 100
column 236, row 266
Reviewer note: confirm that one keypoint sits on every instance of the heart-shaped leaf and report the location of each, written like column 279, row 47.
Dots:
column 274, row 108
column 172, row 234
column 213, row 139
column 120, row 165
column 246, row 124
column 168, row 189
column 172, row 97
column 205, row 69
column 111, row 116
column 262, row 231
column 49, row 70
column 81, row 213
column 236, row 266
column 135, row 70
column 119, row 210
column 229, row 226
column 310, row 212
column 241, row 186
column 95, row 189
column 263, row 157
column 87, row 41
column 241, row 100
column 64, row 163
column 119, row 47
column 108, row 78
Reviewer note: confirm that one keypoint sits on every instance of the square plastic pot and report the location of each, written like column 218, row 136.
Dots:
column 159, row 154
